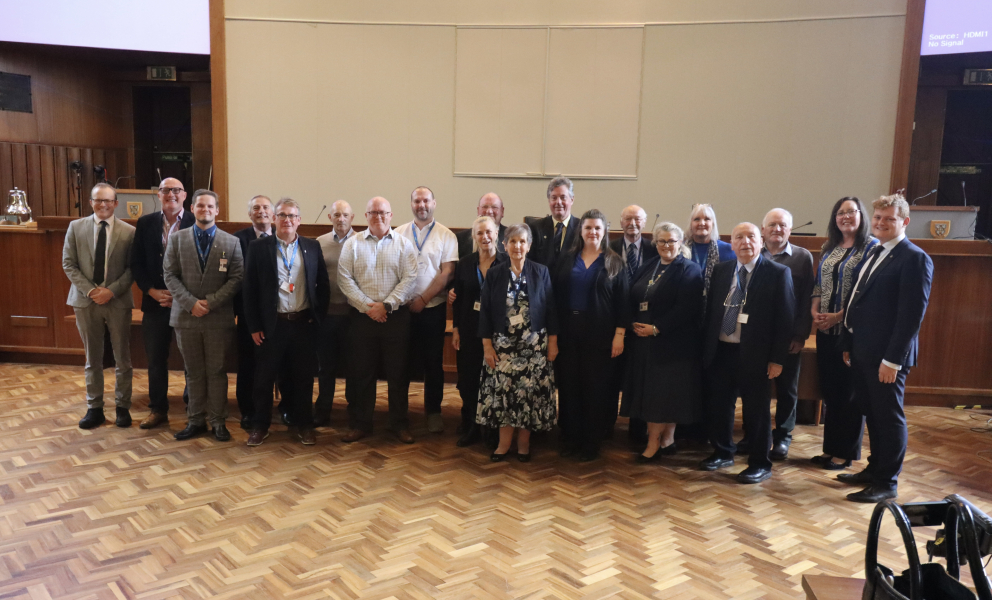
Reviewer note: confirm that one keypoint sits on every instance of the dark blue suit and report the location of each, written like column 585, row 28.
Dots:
column 770, row 306
column 883, row 321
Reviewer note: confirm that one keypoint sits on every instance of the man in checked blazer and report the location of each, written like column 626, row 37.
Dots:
column 203, row 269
column 95, row 258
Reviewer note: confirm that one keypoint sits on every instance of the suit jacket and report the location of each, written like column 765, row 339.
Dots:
column 77, row 262
column 245, row 237
column 542, row 249
column 607, row 297
column 147, row 255
column 648, row 251
column 770, row 307
column 541, row 296
column 261, row 283
column 885, row 317
column 465, row 241
column 468, row 292
column 188, row 283
column 800, row 264
column 674, row 307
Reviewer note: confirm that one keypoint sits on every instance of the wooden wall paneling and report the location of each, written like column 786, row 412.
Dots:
column 31, row 296
column 928, row 139
column 6, row 174
column 76, row 206
column 218, row 95
column 199, row 93
column 99, row 158
column 48, row 198
column 908, row 78
column 19, row 166
column 36, row 198
column 60, row 181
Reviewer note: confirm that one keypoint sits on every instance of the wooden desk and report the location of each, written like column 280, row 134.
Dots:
column 825, row 587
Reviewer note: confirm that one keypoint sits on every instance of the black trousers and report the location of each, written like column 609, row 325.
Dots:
column 844, row 424
column 787, row 397
column 470, row 360
column 426, row 356
column 244, row 389
column 332, row 355
column 881, row 403
column 157, row 336
column 372, row 343
column 582, row 373
column 289, row 355
column 726, row 380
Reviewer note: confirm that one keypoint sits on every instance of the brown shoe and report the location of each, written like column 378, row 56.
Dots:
column 255, row 437
column 308, row 437
column 404, row 436
column 154, row 419
column 353, row 436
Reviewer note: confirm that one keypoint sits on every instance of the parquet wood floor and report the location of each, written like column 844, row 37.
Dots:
column 130, row 514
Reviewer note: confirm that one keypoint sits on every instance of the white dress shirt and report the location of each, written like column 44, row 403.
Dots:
column 372, row 269
column 735, row 338
column 438, row 246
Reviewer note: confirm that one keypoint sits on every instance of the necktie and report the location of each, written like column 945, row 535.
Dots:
column 202, row 239
column 730, row 317
column 264, row 235
column 869, row 265
column 100, row 259
column 557, row 241
column 631, row 261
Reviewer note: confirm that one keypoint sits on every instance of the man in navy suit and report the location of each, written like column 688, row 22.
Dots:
column 881, row 341
column 751, row 312
column 554, row 233
column 285, row 293
column 151, row 237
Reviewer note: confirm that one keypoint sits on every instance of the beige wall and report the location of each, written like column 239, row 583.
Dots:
column 745, row 105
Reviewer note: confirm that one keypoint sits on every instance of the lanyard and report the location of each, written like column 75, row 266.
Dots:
column 199, row 251
column 652, row 281
column 420, row 245
column 289, row 263
column 730, row 293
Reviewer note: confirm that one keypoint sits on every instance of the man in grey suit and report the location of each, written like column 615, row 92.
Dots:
column 95, row 259
column 203, row 269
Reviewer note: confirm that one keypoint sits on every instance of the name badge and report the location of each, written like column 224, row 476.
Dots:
column 517, row 320
column 742, row 318
column 223, row 265
column 644, row 306
column 477, row 306
column 287, row 287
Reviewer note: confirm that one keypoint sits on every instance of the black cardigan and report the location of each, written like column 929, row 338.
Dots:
column 468, row 291
column 492, row 318
column 608, row 297
column 675, row 304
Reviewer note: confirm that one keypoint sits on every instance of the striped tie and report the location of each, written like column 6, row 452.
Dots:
column 730, row 317
column 632, row 261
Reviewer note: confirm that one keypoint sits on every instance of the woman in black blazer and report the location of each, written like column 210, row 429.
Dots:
column 519, row 330
column 662, row 386
column 591, row 289
column 470, row 273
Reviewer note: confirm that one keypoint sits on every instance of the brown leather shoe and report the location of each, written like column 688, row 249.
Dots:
column 255, row 437
column 308, row 437
column 404, row 436
column 353, row 436
column 154, row 419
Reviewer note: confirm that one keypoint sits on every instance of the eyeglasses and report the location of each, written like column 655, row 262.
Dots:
column 847, row 213
column 285, row 217
column 378, row 213
column 100, row 201
column 667, row 242
column 170, row 190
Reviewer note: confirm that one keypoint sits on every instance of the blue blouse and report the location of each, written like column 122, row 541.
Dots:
column 582, row 281
column 701, row 251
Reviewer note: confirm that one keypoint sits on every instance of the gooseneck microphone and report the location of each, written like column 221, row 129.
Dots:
column 320, row 212
column 930, row 193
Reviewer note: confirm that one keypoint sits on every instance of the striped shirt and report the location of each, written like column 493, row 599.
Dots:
column 372, row 269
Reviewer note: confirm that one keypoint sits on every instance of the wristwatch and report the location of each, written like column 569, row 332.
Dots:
column 388, row 306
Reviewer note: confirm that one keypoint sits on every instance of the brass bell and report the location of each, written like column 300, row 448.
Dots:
column 17, row 205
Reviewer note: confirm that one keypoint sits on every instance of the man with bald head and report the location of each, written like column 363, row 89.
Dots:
column 331, row 348
column 751, row 315
column 490, row 205
column 377, row 270
column 151, row 238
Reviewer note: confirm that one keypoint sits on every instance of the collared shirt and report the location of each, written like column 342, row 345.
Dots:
column 259, row 232
column 372, row 269
column 330, row 247
column 886, row 248
column 295, row 301
column 788, row 250
column 204, row 239
column 564, row 227
column 96, row 239
column 438, row 245
column 168, row 230
column 735, row 338
column 637, row 246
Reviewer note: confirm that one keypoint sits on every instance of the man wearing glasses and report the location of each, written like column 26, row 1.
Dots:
column 285, row 293
column 95, row 259
column 151, row 238
column 377, row 270
column 750, row 321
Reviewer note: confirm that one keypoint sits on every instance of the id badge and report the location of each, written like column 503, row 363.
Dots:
column 223, row 265
column 517, row 320
column 644, row 307
column 742, row 318
column 287, row 287
column 477, row 306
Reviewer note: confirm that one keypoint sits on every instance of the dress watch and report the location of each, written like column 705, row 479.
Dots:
column 389, row 307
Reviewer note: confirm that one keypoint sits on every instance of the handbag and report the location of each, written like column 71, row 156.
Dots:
column 919, row 582
column 961, row 518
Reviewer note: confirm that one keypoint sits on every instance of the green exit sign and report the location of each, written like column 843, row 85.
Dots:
column 162, row 73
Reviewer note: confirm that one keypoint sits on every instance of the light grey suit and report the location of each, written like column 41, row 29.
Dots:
column 204, row 341
column 77, row 262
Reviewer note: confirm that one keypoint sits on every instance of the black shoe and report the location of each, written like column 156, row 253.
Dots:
column 743, row 447
column 860, row 478
column 221, row 434
column 872, row 495
column 93, row 418
column 643, row 460
column 780, row 449
column 285, row 418
column 470, row 436
column 246, row 423
column 669, row 450
column 523, row 457
column 715, row 462
column 498, row 457
column 754, row 475
column 123, row 418
column 832, row 466
column 588, row 455
column 191, row 431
